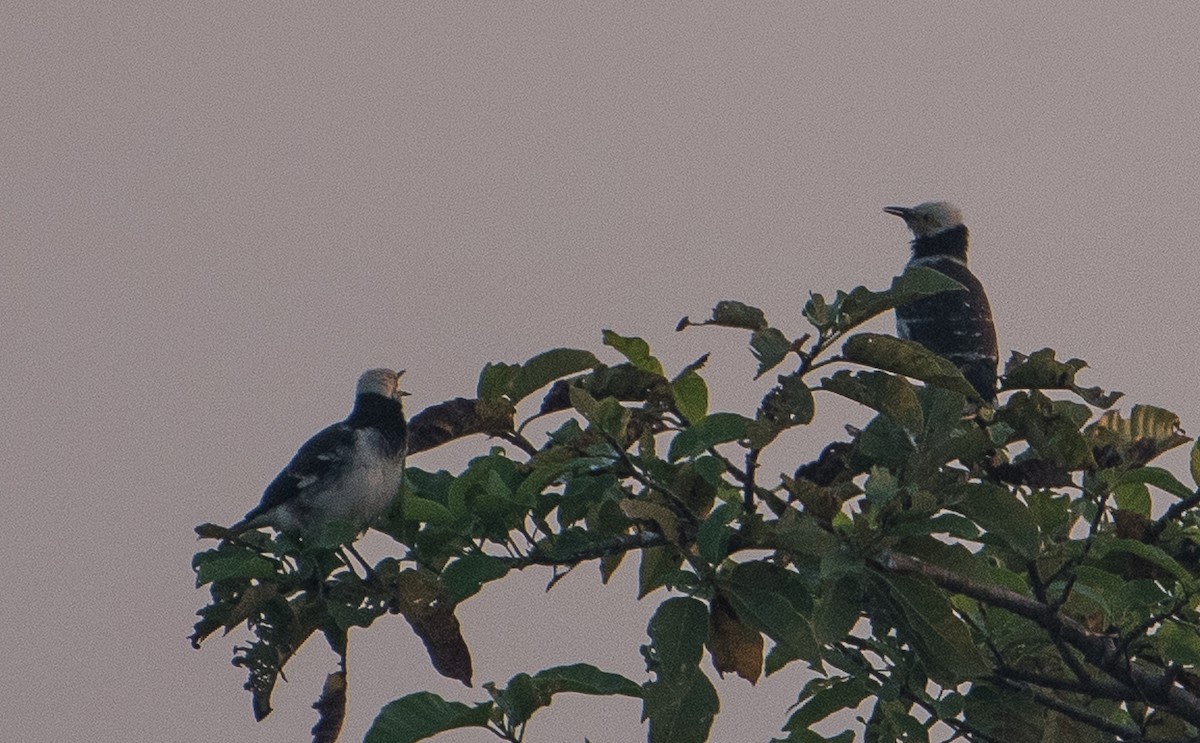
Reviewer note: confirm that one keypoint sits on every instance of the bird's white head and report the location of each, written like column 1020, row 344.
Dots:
column 383, row 382
column 929, row 218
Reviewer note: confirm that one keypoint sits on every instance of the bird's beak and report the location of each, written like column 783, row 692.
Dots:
column 900, row 211
column 402, row 393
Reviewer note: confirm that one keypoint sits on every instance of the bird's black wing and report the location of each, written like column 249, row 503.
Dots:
column 956, row 325
column 320, row 458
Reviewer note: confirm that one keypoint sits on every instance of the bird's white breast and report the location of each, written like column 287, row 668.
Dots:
column 368, row 484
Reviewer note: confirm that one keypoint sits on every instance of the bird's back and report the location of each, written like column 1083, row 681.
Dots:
column 956, row 325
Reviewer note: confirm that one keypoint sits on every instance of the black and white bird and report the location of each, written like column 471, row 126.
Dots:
column 350, row 471
column 956, row 325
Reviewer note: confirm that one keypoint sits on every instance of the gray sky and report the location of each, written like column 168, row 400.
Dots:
column 214, row 216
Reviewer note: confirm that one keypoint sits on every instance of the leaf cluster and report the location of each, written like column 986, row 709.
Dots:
column 1000, row 572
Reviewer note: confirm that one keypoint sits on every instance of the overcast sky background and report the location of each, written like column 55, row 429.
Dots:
column 213, row 216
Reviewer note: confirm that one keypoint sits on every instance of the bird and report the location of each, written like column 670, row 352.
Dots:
column 350, row 471
column 956, row 325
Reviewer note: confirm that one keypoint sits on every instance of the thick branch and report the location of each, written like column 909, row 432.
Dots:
column 1106, row 689
column 1176, row 510
column 1098, row 722
column 1100, row 650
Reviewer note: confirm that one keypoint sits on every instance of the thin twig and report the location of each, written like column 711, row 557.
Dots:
column 1173, row 513
column 748, row 483
column 609, row 547
column 1083, row 553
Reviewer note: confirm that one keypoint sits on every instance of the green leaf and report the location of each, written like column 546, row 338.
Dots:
column 519, row 699
column 1051, row 427
column 465, row 576
column 494, row 499
column 582, row 678
column 808, row 736
column 881, row 487
column 680, row 702
column 861, row 304
column 1041, row 371
column 425, row 510
column 885, row 443
column 769, row 346
column 890, row 720
column 526, row 694
column 789, row 403
column 228, row 562
column 998, row 511
column 1105, row 545
column 546, row 367
column 538, row 480
column 837, row 609
column 1009, row 715
column 1195, row 463
column 423, row 715
column 717, row 428
column 954, row 525
column 583, row 401
column 731, row 314
column 677, row 631
column 331, row 535
column 799, row 533
column 623, row 381
column 690, row 393
column 495, row 380
column 1134, row 497
column 681, row 708
column 1179, row 642
column 908, row 358
column 1097, row 587
column 816, row 311
column 1052, row 512
column 891, row 395
column 659, row 564
column 709, row 469
column 607, row 415
column 942, row 640
column 773, row 601
column 712, row 538
column 636, row 350
column 821, row 698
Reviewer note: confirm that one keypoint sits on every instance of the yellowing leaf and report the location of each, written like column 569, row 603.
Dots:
column 735, row 647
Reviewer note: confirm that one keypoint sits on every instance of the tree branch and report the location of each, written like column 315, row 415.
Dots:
column 1049, row 701
column 607, row 548
column 748, row 484
column 1173, row 513
column 1107, row 689
column 1100, row 650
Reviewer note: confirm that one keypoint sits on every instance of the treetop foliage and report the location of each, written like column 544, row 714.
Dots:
column 995, row 573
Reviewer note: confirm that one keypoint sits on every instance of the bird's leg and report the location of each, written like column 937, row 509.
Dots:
column 370, row 572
